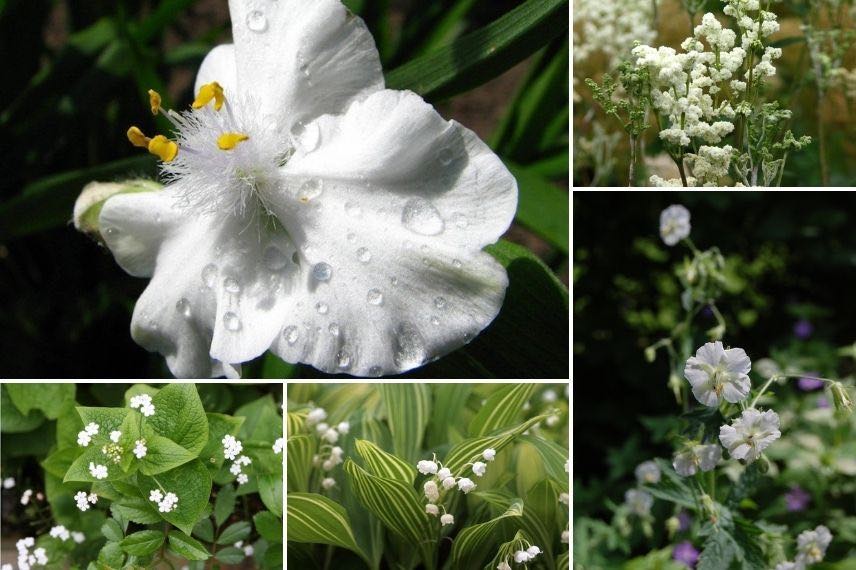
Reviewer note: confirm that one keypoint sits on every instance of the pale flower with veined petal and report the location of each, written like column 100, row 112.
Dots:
column 310, row 211
column 715, row 373
column 750, row 434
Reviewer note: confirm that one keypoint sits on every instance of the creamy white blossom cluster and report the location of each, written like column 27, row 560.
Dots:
column 26, row 559
column 811, row 548
column 166, row 502
column 610, row 27
column 83, row 500
column 711, row 164
column 144, row 403
column 674, row 224
column 443, row 477
column 231, row 449
column 85, row 437
column 98, row 471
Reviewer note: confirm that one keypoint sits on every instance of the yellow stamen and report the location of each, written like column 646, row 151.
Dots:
column 228, row 141
column 154, row 101
column 137, row 138
column 207, row 92
column 163, row 148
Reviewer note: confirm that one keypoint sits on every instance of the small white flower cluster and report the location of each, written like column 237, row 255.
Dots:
column 85, row 437
column 610, row 27
column 231, row 448
column 140, row 448
column 524, row 556
column 166, row 503
column 8, row 482
column 711, row 164
column 25, row 496
column 248, row 549
column 278, row 445
column 331, row 434
column 83, row 500
column 674, row 224
column 811, row 548
column 447, row 480
column 115, row 435
column 98, row 471
column 26, row 560
column 60, row 532
column 331, row 455
column 144, row 403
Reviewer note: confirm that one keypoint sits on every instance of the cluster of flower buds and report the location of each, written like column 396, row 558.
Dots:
column 26, row 559
column 85, row 436
column 166, row 503
column 83, row 500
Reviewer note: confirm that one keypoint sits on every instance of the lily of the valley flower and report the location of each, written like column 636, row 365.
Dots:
column 447, row 519
column 309, row 211
column 716, row 373
column 751, row 433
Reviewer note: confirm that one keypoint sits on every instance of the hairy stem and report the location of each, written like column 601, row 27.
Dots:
column 631, row 175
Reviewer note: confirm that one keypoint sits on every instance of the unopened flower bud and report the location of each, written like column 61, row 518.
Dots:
column 841, row 398
column 87, row 208
column 672, row 526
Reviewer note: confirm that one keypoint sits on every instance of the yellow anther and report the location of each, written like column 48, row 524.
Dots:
column 163, row 148
column 207, row 92
column 154, row 101
column 137, row 138
column 228, row 141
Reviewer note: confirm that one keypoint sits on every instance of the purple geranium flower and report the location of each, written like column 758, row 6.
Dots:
column 686, row 553
column 807, row 384
column 797, row 499
column 684, row 521
column 803, row 329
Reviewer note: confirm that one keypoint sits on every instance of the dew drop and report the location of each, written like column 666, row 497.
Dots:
column 291, row 334
column 408, row 347
column 343, row 359
column 421, row 217
column 309, row 190
column 457, row 263
column 322, row 308
column 183, row 307
column 374, row 297
column 334, row 329
column 209, row 275
column 111, row 231
column 435, row 321
column 232, row 321
column 393, row 280
column 375, row 371
column 273, row 258
column 364, row 255
column 353, row 210
column 231, row 285
column 322, row 271
column 460, row 220
column 439, row 302
column 257, row 21
column 446, row 156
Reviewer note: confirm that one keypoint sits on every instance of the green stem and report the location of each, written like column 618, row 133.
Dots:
column 775, row 377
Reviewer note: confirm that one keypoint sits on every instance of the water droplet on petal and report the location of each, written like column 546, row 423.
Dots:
column 421, row 217
column 460, row 220
column 322, row 271
column 364, row 255
column 343, row 359
column 111, row 231
column 334, row 329
column 291, row 334
column 393, row 280
column 231, row 285
column 435, row 321
column 273, row 258
column 353, row 210
column 439, row 302
column 446, row 155
column 457, row 263
column 232, row 321
column 322, row 308
column 374, row 297
column 375, row 371
column 309, row 190
column 209, row 275
column 183, row 307
column 408, row 346
column 257, row 21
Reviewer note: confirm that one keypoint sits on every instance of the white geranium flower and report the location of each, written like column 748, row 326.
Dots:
column 647, row 472
column 751, row 433
column 812, row 545
column 640, row 502
column 309, row 211
column 715, row 373
column 695, row 457
column 674, row 224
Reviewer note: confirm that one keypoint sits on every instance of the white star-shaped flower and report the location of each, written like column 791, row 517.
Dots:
column 751, row 433
column 715, row 373
column 310, row 211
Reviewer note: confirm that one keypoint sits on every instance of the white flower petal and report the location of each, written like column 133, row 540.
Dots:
column 219, row 66
column 711, row 353
column 304, row 59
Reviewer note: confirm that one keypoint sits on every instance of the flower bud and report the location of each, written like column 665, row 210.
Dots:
column 841, row 398
column 672, row 526
column 650, row 354
column 87, row 208
column 763, row 464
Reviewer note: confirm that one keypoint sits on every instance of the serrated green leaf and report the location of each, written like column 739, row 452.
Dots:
column 408, row 407
column 313, row 518
column 142, row 543
column 471, row 546
column 270, row 491
column 192, row 483
column 235, row 532
column 135, row 509
column 111, row 555
column 269, row 526
column 47, row 398
column 187, row 547
column 501, row 408
column 224, row 504
column 112, row 530
column 204, row 529
column 384, row 464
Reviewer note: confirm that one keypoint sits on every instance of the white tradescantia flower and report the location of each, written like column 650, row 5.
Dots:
column 640, row 502
column 674, row 224
column 812, row 545
column 309, row 211
column 716, row 373
column 647, row 472
column 695, row 457
column 751, row 433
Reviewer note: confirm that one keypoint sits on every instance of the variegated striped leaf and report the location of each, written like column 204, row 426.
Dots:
column 470, row 450
column 316, row 519
column 385, row 464
column 554, row 458
column 564, row 560
column 299, row 449
column 531, row 522
column 472, row 544
column 398, row 507
column 501, row 409
column 448, row 406
column 407, row 410
column 295, row 422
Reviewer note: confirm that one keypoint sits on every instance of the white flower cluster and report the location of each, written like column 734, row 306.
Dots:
column 447, row 480
column 711, row 164
column 144, row 403
column 60, row 532
column 609, row 27
column 231, row 448
column 26, row 560
column 278, row 445
column 166, row 503
column 8, row 482
column 25, row 496
column 674, row 224
column 98, row 471
column 330, row 455
column 115, row 435
column 85, row 437
column 811, row 548
column 83, row 500
column 140, row 448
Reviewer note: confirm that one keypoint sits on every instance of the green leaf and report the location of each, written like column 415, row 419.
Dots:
column 384, row 464
column 315, row 519
column 108, row 419
column 204, row 529
column 542, row 206
column 112, row 530
column 12, row 420
column 188, row 547
column 47, row 398
column 162, row 454
column 218, row 426
column 408, row 407
column 270, row 491
column 471, row 449
column 553, row 456
column 485, row 53
column 58, row 462
column 111, row 555
column 398, row 507
column 135, row 509
column 717, row 553
column 299, row 450
column 262, row 421
column 672, row 487
column 79, row 470
column 230, row 555
column 501, row 408
column 269, row 526
column 235, row 532
column 179, row 415
column 142, row 543
column 473, row 543
column 192, row 483
column 224, row 505
column 450, row 399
